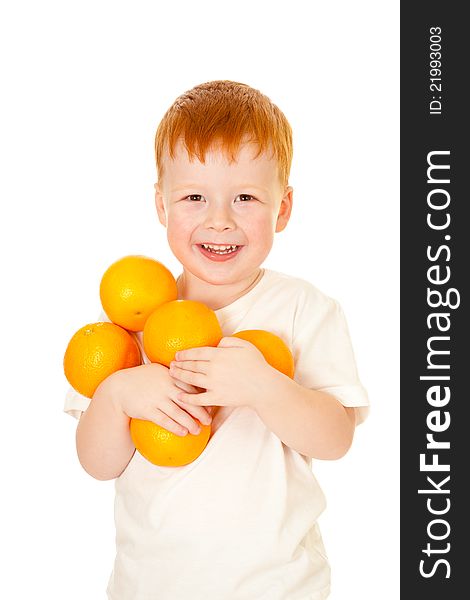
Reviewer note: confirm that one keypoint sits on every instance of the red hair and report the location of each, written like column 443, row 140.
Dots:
column 226, row 113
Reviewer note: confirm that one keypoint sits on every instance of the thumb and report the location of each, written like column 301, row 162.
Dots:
column 186, row 387
column 232, row 342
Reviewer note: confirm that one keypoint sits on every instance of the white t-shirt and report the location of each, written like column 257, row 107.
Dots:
column 240, row 522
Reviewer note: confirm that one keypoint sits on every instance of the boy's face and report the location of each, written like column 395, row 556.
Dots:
column 221, row 217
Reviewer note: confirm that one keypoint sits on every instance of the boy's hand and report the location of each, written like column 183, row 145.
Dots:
column 148, row 392
column 233, row 374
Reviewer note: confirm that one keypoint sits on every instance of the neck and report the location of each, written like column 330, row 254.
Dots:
column 212, row 295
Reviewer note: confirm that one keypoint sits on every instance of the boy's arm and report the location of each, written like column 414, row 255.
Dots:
column 314, row 423
column 104, row 443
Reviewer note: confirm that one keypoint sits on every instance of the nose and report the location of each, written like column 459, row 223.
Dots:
column 219, row 217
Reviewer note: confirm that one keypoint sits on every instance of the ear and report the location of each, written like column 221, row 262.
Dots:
column 285, row 209
column 160, row 205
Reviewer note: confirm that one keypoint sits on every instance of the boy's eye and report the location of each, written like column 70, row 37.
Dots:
column 244, row 198
column 195, row 197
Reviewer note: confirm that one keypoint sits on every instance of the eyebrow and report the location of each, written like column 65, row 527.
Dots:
column 197, row 185
column 251, row 185
column 185, row 187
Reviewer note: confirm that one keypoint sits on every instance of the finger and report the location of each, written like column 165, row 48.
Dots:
column 182, row 417
column 196, row 366
column 201, row 353
column 198, row 379
column 202, row 399
column 186, row 387
column 201, row 413
column 233, row 342
column 163, row 420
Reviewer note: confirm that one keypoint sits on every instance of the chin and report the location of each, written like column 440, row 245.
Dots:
column 223, row 273
column 217, row 278
column 220, row 275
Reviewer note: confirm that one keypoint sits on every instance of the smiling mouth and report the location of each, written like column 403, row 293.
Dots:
column 220, row 248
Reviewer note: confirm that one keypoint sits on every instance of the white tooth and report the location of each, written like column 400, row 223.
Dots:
column 220, row 248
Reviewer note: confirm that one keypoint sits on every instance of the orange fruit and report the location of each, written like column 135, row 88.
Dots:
column 166, row 449
column 94, row 352
column 132, row 287
column 274, row 349
column 179, row 325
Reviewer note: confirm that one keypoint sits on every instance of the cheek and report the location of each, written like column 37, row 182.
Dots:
column 261, row 223
column 179, row 225
column 260, row 230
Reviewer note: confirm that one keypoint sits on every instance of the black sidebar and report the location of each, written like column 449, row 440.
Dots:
column 434, row 260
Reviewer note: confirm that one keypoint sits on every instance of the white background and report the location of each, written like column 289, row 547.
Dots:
column 84, row 87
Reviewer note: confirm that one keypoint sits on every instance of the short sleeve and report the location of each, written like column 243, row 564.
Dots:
column 323, row 352
column 75, row 403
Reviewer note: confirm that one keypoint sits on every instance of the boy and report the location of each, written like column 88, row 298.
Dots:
column 240, row 522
